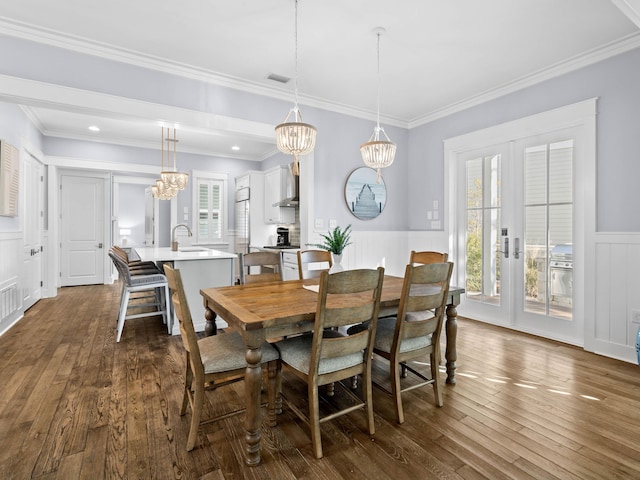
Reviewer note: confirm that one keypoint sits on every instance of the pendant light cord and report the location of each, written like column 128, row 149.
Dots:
column 378, row 94
column 295, row 34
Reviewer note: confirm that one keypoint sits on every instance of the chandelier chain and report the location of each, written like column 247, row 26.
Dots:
column 378, row 93
column 295, row 79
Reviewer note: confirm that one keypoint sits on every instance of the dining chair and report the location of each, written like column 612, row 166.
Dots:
column 415, row 332
column 307, row 257
column 428, row 257
column 213, row 362
column 269, row 264
column 328, row 356
column 155, row 293
column 136, row 266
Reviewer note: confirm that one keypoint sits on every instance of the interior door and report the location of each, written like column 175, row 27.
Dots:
column 33, row 214
column 518, row 206
column 82, row 229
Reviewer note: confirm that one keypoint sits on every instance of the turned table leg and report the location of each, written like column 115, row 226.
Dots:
column 451, row 354
column 253, row 382
column 210, row 327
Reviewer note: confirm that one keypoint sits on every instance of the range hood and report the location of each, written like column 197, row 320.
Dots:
column 293, row 187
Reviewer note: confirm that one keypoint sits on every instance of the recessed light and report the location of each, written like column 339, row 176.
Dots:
column 235, row 147
column 94, row 128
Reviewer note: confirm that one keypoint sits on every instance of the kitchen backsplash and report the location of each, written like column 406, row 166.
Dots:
column 294, row 229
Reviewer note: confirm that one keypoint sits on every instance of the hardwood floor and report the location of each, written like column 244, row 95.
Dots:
column 74, row 404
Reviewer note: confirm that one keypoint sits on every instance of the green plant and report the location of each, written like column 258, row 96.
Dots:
column 336, row 241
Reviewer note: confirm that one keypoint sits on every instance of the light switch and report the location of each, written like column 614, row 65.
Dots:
column 319, row 224
column 429, row 215
column 333, row 224
column 435, row 204
column 185, row 216
column 435, row 215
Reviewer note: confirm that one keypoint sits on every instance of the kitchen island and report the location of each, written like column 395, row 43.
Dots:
column 201, row 268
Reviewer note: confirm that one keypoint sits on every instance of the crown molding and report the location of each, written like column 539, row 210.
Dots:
column 26, row 31
column 612, row 49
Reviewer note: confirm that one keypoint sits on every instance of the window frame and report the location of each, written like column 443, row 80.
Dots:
column 200, row 177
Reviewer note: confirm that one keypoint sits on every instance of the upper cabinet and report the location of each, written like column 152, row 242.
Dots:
column 278, row 186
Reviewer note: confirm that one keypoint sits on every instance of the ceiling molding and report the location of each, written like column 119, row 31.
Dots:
column 10, row 27
column 631, row 8
column 628, row 43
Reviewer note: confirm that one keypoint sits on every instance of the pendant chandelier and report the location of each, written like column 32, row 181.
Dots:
column 378, row 153
column 170, row 181
column 295, row 137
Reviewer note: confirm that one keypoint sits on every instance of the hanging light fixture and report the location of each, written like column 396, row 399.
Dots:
column 172, row 178
column 170, row 181
column 378, row 153
column 295, row 137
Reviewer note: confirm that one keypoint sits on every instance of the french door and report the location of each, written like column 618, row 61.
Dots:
column 519, row 195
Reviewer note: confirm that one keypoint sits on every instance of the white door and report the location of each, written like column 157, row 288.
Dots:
column 82, row 229
column 517, row 199
column 544, row 236
column 33, row 214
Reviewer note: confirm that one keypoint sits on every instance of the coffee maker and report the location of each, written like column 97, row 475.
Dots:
column 282, row 237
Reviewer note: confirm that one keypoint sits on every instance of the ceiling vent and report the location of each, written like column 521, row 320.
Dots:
column 278, row 78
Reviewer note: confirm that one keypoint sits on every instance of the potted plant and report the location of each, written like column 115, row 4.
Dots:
column 335, row 242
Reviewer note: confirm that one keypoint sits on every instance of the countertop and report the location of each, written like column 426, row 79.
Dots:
column 273, row 248
column 155, row 254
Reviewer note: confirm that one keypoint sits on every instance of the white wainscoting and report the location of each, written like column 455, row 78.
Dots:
column 390, row 249
column 10, row 281
column 616, row 284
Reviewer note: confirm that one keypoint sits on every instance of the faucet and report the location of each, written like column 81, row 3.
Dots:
column 174, row 242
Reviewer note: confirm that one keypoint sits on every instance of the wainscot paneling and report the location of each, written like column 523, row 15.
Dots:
column 616, row 296
column 390, row 249
column 10, row 294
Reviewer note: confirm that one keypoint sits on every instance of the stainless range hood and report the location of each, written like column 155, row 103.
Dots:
column 294, row 188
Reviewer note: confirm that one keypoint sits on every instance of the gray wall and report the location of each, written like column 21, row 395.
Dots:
column 415, row 179
column 616, row 83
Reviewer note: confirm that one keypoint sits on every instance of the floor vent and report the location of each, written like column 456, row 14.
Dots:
column 8, row 301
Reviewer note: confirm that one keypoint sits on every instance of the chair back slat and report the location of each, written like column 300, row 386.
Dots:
column 181, row 306
column 428, row 257
column 307, row 257
column 345, row 298
column 271, row 260
column 423, row 301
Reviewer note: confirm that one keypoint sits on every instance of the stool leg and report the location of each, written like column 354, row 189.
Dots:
column 123, row 313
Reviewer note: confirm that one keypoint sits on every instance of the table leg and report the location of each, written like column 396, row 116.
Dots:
column 210, row 327
column 253, row 383
column 451, row 354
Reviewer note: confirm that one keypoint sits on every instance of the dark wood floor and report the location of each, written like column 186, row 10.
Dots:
column 74, row 404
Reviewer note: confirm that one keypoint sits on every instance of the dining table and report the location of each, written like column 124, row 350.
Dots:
column 263, row 311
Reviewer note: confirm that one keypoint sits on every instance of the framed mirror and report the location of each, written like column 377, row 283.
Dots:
column 365, row 198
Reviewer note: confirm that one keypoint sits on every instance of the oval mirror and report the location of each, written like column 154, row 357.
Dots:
column 365, row 198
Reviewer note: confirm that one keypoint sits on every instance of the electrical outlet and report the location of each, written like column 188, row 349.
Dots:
column 333, row 224
column 635, row 316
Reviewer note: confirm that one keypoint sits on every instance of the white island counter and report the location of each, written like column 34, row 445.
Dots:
column 200, row 267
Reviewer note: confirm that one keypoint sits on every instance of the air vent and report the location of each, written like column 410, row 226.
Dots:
column 278, row 78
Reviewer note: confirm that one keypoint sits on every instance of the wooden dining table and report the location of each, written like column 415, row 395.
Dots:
column 270, row 310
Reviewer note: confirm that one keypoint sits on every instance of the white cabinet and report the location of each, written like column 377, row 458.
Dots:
column 277, row 187
column 290, row 265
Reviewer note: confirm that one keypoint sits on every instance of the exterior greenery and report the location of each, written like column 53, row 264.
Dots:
column 336, row 241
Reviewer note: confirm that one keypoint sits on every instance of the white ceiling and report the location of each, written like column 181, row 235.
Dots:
column 436, row 56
